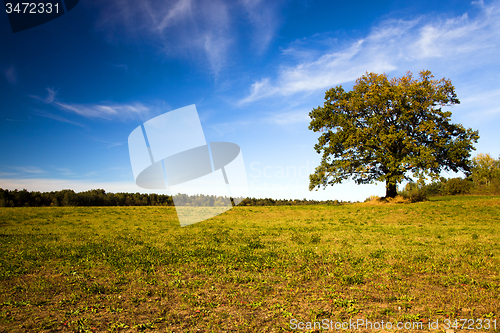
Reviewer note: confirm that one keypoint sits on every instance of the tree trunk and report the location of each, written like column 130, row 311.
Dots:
column 390, row 190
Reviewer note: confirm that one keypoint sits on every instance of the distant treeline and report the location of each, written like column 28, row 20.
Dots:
column 100, row 197
column 483, row 179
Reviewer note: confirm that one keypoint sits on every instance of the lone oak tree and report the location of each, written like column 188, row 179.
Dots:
column 384, row 129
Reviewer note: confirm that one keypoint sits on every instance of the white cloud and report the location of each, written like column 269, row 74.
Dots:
column 482, row 104
column 289, row 118
column 265, row 119
column 222, row 129
column 51, row 96
column 104, row 110
column 109, row 144
column 456, row 45
column 65, row 171
column 187, row 28
column 258, row 90
column 175, row 28
column 177, row 12
column 216, row 49
column 28, row 169
column 262, row 16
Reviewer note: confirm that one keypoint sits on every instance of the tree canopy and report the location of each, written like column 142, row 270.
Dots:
column 485, row 169
column 387, row 129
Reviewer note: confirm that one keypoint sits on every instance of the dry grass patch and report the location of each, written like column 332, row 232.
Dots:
column 399, row 199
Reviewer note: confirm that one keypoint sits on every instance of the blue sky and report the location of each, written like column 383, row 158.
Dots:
column 73, row 89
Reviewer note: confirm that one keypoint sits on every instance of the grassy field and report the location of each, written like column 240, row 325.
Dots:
column 251, row 269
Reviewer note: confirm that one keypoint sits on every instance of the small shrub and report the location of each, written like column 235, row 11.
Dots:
column 372, row 198
column 458, row 186
column 414, row 192
column 436, row 187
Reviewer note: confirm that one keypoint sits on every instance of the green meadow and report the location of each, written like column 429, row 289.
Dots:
column 251, row 269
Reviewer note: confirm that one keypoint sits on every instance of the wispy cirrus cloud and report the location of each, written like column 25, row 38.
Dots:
column 262, row 15
column 285, row 119
column 485, row 104
column 65, row 171
column 455, row 44
column 51, row 95
column 288, row 117
column 187, row 28
column 109, row 144
column 28, row 169
column 222, row 128
column 104, row 110
column 175, row 28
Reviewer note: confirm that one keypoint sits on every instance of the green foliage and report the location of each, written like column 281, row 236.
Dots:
column 415, row 192
column 486, row 174
column 99, row 197
column 436, row 187
column 384, row 129
column 286, row 202
column 452, row 186
column 457, row 186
